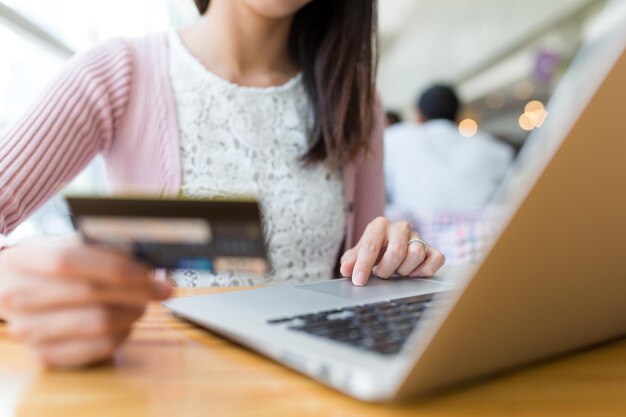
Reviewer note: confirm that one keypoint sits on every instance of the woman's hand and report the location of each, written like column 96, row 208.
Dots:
column 73, row 304
column 387, row 248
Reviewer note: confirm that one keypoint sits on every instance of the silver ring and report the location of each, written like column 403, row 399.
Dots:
column 420, row 241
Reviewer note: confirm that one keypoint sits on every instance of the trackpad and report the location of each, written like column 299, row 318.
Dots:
column 376, row 288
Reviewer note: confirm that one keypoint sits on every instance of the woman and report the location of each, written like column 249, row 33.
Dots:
column 263, row 97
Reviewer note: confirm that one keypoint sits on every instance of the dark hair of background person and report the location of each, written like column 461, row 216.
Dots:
column 439, row 102
column 334, row 43
column 392, row 118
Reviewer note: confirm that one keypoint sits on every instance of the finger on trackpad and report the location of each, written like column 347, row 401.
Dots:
column 375, row 288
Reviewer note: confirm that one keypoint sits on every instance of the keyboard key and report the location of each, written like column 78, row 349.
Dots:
column 381, row 327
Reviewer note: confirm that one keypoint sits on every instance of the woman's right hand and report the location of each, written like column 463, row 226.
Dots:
column 74, row 304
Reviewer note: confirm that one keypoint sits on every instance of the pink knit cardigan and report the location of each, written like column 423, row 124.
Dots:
column 117, row 100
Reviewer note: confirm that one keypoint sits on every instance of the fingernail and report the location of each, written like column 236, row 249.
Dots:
column 359, row 279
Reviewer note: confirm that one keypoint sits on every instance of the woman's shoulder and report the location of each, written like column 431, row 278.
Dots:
column 117, row 54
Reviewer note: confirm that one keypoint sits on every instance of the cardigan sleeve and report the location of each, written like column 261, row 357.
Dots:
column 73, row 121
column 369, row 191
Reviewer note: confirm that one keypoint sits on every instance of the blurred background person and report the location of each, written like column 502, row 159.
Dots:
column 431, row 168
column 441, row 181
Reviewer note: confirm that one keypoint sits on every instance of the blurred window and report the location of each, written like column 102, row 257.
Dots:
column 29, row 64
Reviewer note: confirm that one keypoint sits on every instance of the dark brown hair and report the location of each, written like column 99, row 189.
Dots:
column 334, row 43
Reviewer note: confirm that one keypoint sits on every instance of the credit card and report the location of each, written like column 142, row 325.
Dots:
column 220, row 236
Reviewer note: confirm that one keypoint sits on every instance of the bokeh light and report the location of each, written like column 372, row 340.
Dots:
column 534, row 115
column 534, row 106
column 526, row 121
column 468, row 128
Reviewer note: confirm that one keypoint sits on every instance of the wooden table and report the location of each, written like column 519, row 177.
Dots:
column 170, row 368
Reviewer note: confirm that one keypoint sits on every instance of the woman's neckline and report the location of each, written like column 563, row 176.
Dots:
column 200, row 68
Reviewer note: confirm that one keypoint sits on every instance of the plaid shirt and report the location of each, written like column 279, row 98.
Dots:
column 462, row 237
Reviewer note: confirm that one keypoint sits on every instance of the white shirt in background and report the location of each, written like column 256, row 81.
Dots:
column 430, row 168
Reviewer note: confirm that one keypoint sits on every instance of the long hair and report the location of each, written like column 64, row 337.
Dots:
column 334, row 44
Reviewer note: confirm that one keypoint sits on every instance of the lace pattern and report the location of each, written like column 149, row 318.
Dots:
column 248, row 141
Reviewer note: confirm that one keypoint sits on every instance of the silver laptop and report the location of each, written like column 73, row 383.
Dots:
column 552, row 282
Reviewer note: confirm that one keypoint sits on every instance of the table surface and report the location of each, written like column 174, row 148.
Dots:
column 171, row 368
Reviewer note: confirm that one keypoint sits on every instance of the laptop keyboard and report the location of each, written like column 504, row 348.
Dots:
column 381, row 327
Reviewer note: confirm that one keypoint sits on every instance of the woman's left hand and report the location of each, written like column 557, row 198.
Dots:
column 387, row 248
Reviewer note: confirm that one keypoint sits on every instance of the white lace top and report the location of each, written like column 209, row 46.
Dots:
column 247, row 141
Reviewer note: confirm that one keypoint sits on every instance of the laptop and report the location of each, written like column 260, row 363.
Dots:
column 552, row 282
